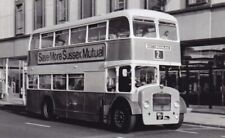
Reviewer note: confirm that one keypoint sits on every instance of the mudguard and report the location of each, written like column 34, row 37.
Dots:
column 183, row 106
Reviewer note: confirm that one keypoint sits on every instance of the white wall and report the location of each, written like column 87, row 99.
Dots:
column 7, row 18
column 195, row 25
column 73, row 10
column 218, row 22
column 101, row 7
column 49, row 13
column 29, row 16
column 134, row 4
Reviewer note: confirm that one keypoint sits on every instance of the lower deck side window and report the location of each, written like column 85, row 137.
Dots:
column 111, row 80
column 59, row 82
column 45, row 81
column 33, row 81
column 76, row 81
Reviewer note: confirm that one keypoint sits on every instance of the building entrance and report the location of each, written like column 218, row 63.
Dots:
column 12, row 78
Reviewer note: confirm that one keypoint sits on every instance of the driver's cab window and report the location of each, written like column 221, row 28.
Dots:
column 145, row 75
column 125, row 79
column 111, row 80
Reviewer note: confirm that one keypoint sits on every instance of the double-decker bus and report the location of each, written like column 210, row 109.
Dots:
column 106, row 69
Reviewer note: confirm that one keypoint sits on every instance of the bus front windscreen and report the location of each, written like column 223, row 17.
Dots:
column 145, row 75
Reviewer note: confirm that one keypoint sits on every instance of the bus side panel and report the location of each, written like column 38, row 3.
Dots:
column 33, row 101
column 60, row 101
column 85, row 105
column 119, row 50
column 32, row 56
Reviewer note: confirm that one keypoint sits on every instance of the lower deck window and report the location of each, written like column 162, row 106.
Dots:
column 76, row 81
column 33, row 81
column 59, row 82
column 111, row 80
column 45, row 81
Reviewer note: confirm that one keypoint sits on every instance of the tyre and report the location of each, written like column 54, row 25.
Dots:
column 47, row 110
column 122, row 119
column 178, row 125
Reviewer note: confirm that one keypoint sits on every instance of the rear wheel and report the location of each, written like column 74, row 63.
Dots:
column 122, row 119
column 47, row 110
column 178, row 125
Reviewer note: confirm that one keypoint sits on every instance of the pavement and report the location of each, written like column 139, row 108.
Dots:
column 196, row 114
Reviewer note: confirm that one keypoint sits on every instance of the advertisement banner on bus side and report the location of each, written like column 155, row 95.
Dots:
column 72, row 54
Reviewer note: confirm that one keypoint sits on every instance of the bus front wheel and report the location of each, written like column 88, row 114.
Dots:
column 122, row 119
column 47, row 110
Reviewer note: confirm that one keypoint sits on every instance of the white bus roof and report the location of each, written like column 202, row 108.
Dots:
column 127, row 13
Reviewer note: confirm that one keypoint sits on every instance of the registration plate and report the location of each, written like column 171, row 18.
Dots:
column 159, row 116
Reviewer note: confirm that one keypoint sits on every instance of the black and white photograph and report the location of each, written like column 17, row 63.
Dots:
column 112, row 68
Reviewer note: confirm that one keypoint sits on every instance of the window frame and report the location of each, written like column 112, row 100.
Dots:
column 78, row 27
column 81, row 78
column 29, row 80
column 93, row 9
column 20, row 17
column 196, row 3
column 39, row 84
column 61, row 77
column 88, row 40
column 42, row 9
column 58, row 12
column 118, row 33
column 62, row 32
column 160, row 6
column 114, row 4
column 53, row 40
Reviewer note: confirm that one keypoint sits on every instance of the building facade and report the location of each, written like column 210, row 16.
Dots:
column 202, row 31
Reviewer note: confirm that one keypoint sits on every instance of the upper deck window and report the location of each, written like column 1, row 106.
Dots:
column 144, row 28
column 167, row 31
column 47, row 40
column 78, row 35
column 35, row 42
column 96, row 32
column 119, row 28
column 61, row 38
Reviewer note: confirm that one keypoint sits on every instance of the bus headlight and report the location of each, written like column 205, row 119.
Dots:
column 177, row 104
column 146, row 104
